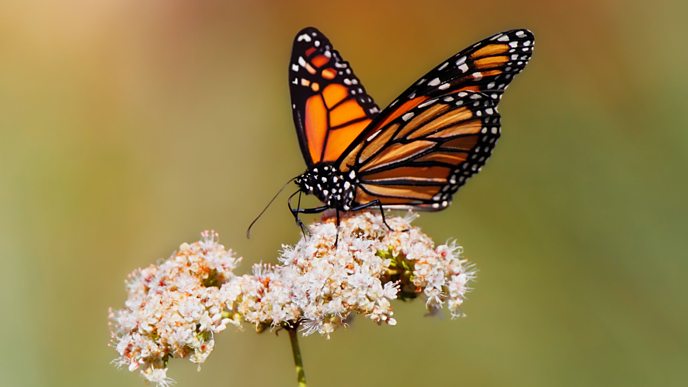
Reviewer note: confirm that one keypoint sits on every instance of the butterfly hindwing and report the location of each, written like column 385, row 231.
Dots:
column 422, row 157
column 330, row 106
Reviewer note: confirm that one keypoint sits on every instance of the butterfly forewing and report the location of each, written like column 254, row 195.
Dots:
column 486, row 67
column 330, row 106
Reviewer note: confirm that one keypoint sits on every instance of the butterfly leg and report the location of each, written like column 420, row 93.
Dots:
column 314, row 210
column 298, row 210
column 295, row 212
column 374, row 203
column 336, row 239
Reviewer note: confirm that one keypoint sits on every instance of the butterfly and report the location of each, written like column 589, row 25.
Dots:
column 414, row 154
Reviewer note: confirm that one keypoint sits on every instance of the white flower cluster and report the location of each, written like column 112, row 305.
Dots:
column 174, row 309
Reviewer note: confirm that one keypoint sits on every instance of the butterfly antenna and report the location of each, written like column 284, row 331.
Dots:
column 248, row 230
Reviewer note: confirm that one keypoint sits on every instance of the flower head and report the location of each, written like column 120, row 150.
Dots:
column 174, row 309
column 319, row 284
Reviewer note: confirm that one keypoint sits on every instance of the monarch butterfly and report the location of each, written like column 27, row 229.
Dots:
column 414, row 154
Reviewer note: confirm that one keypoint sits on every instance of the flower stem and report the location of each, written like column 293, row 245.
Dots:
column 298, row 361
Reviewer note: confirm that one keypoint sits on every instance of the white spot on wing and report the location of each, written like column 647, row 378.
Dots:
column 372, row 136
column 428, row 102
column 303, row 38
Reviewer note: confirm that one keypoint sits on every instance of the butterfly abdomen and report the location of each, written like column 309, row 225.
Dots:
column 334, row 188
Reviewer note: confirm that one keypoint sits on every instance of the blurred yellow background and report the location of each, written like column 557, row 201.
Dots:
column 127, row 127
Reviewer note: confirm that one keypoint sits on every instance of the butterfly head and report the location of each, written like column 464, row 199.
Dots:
column 331, row 186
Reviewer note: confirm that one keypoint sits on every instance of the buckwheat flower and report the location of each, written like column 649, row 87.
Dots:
column 174, row 309
column 318, row 285
column 368, row 267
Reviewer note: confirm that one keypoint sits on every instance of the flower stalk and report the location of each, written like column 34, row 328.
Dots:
column 298, row 360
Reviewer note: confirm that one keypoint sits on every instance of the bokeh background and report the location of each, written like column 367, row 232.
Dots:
column 127, row 127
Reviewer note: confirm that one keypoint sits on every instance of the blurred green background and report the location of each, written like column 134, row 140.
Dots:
column 127, row 127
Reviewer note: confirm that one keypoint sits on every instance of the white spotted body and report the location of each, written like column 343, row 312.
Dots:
column 334, row 188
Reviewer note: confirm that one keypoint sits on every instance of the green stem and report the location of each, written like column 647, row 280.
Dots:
column 296, row 351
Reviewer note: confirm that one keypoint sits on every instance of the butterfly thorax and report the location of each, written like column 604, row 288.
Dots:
column 331, row 186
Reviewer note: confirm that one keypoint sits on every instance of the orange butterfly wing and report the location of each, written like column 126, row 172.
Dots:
column 330, row 107
column 421, row 158
column 441, row 130
column 486, row 67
